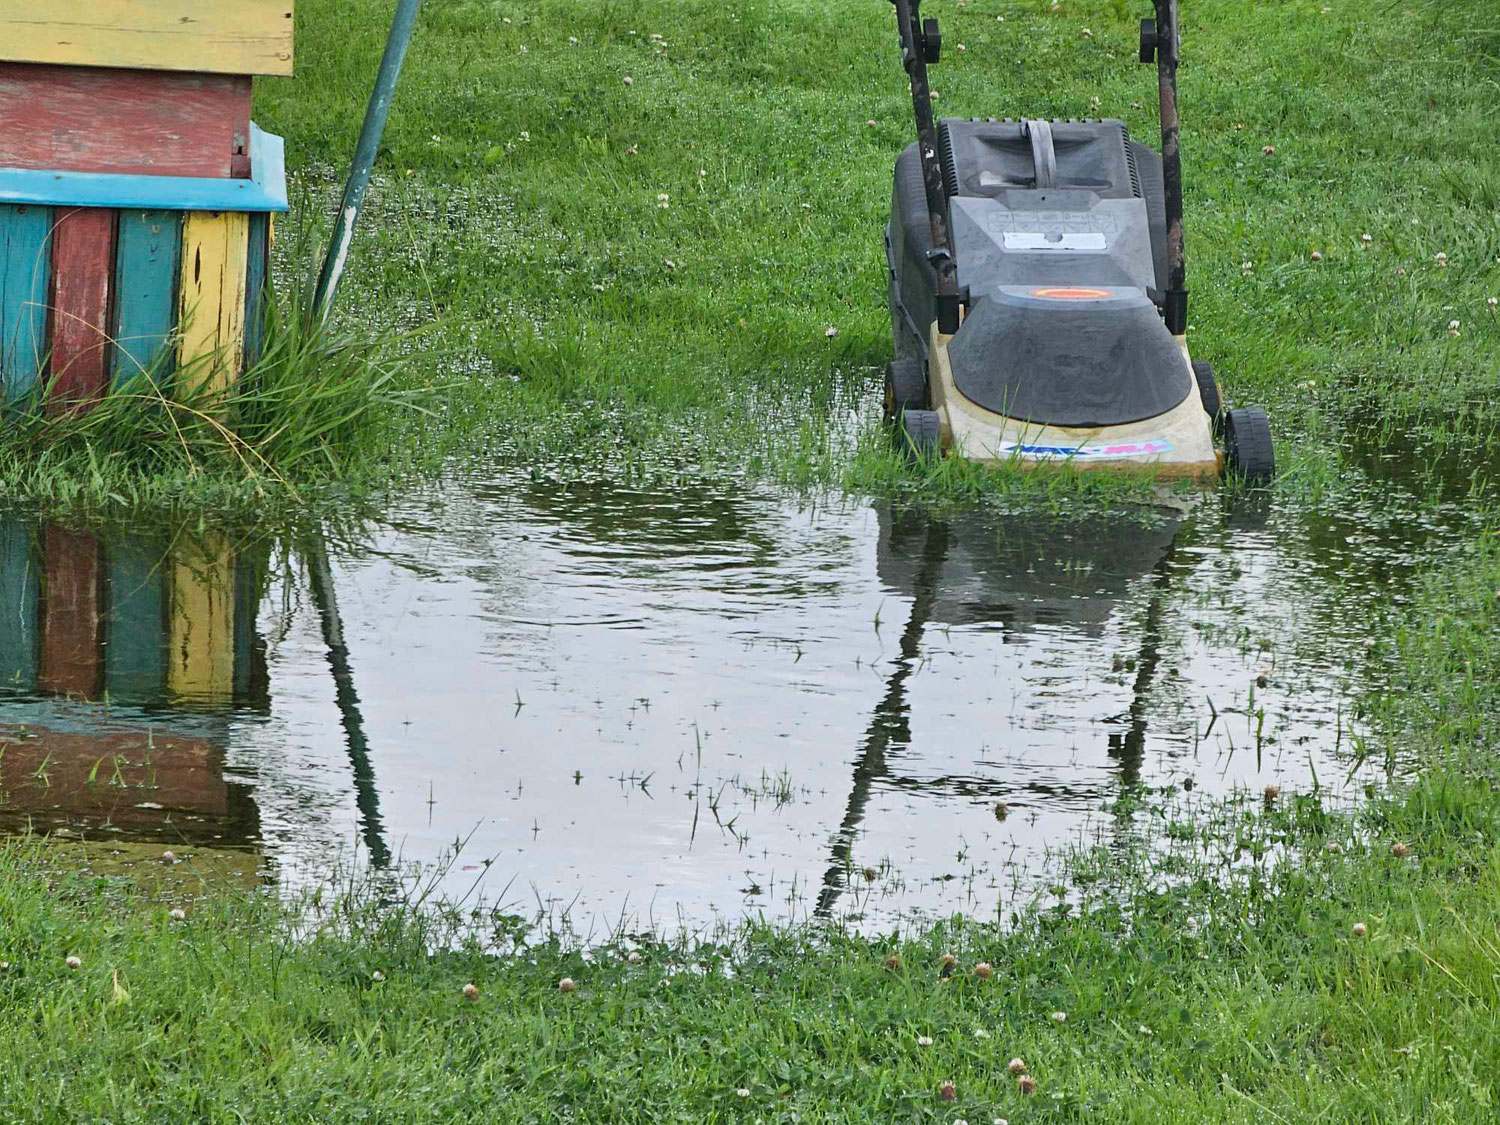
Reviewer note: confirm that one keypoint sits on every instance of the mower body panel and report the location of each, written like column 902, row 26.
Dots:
column 1064, row 354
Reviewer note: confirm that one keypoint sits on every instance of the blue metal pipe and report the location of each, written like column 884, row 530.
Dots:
column 364, row 156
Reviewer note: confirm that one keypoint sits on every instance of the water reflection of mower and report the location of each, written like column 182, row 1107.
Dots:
column 1037, row 289
column 1018, row 572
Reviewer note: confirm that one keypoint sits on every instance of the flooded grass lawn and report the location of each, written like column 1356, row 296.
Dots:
column 675, row 703
column 631, row 734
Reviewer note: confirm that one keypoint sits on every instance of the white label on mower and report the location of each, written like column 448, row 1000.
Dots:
column 1083, row 452
column 1036, row 240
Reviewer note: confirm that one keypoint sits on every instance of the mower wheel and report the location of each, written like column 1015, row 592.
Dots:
column 1248, row 452
column 905, row 388
column 1208, row 391
column 921, row 434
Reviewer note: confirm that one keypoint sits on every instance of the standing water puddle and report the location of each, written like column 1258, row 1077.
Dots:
column 677, row 705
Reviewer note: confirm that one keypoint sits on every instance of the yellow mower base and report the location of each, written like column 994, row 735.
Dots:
column 1177, row 445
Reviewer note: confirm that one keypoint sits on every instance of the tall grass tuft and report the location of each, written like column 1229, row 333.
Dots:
column 320, row 403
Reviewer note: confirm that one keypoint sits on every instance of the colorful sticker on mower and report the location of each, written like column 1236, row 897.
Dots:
column 1084, row 452
column 1072, row 293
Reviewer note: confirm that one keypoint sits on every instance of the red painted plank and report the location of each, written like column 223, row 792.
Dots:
column 152, row 123
column 72, row 662
column 83, row 255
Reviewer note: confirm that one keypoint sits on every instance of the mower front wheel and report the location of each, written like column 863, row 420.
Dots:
column 921, row 434
column 1248, row 451
column 905, row 388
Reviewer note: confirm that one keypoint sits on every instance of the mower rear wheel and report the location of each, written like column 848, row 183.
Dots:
column 905, row 388
column 1248, row 451
column 1208, row 391
column 921, row 434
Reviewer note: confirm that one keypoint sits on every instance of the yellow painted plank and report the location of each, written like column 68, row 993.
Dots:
column 200, row 662
column 215, row 252
column 220, row 36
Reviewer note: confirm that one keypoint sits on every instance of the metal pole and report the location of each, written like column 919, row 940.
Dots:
column 1175, row 309
column 364, row 155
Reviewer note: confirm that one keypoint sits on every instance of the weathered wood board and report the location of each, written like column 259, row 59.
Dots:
column 257, row 271
column 222, row 36
column 134, row 122
column 215, row 245
column 83, row 254
column 25, row 267
column 146, row 273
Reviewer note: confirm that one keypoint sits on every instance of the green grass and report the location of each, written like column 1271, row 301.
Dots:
column 559, row 333
column 521, row 181
column 516, row 222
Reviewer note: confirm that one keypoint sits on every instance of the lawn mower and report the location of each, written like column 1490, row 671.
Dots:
column 1037, row 290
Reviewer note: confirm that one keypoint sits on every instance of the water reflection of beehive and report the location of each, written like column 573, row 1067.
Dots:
column 161, row 626
column 141, row 619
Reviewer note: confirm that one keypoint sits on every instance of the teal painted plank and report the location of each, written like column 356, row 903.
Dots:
column 135, row 639
column 265, row 190
column 18, row 608
column 25, row 266
column 257, row 290
column 148, row 244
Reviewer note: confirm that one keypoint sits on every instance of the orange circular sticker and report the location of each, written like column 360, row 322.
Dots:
column 1072, row 294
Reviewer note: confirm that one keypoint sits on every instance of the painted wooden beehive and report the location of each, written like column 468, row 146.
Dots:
column 135, row 191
